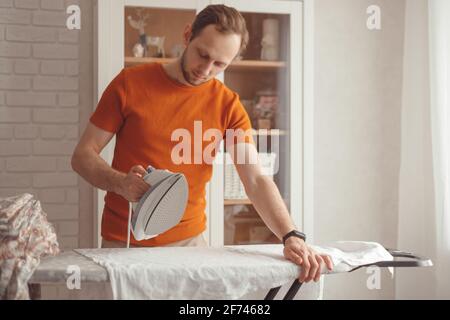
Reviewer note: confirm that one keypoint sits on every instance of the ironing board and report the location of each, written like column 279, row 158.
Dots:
column 54, row 270
column 414, row 261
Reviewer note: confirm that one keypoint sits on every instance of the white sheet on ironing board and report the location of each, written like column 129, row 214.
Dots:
column 228, row 272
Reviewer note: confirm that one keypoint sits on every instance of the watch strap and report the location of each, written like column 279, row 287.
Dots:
column 294, row 233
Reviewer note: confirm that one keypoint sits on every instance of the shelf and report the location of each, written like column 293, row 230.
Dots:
column 236, row 202
column 254, row 220
column 241, row 64
column 244, row 64
column 131, row 61
column 272, row 132
column 232, row 202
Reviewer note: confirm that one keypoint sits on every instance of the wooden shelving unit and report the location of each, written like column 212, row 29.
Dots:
column 250, row 77
column 241, row 64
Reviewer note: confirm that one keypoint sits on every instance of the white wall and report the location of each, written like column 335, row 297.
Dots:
column 358, row 92
column 417, row 225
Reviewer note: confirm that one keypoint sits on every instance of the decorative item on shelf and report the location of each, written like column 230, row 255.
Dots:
column 141, row 49
column 270, row 40
column 264, row 109
column 177, row 50
column 139, row 25
column 234, row 189
column 158, row 43
column 138, row 50
column 264, row 124
column 248, row 105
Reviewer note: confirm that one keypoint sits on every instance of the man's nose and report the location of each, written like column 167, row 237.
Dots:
column 206, row 69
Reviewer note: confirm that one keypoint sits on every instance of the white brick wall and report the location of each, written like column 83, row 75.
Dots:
column 40, row 109
column 27, row 4
column 52, row 4
column 6, row 3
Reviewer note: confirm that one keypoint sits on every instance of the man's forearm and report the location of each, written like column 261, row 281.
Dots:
column 268, row 202
column 96, row 171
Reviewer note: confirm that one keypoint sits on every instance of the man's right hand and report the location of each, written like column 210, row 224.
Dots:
column 132, row 186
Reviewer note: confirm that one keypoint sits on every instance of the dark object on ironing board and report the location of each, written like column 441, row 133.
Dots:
column 414, row 262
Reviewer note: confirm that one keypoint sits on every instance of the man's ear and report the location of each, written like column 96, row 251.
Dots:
column 187, row 34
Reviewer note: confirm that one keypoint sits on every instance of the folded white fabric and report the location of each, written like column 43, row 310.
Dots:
column 228, row 272
column 348, row 255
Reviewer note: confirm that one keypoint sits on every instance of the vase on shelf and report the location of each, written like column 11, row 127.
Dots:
column 270, row 40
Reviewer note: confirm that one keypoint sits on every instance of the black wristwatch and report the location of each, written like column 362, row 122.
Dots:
column 294, row 233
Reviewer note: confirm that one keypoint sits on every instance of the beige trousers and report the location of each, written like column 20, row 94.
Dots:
column 197, row 241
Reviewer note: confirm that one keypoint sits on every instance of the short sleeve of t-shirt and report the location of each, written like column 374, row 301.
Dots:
column 109, row 114
column 239, row 127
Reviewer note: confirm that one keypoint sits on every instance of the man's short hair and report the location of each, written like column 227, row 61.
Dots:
column 226, row 19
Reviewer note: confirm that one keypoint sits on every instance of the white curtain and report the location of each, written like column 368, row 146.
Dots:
column 439, row 34
column 424, row 194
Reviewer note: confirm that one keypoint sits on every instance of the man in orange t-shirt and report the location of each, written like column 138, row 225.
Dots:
column 149, row 107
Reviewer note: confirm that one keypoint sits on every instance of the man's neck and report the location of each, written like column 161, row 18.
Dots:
column 174, row 71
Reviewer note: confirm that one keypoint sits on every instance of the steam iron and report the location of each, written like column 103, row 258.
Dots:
column 161, row 207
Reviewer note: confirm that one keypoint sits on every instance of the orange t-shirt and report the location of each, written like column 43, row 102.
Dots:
column 143, row 106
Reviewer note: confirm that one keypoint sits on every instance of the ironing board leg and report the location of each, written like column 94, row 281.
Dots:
column 272, row 293
column 293, row 290
column 34, row 290
column 296, row 285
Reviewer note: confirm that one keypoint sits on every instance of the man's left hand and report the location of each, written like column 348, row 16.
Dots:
column 297, row 251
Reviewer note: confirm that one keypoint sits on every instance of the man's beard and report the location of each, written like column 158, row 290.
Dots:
column 183, row 68
column 185, row 72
